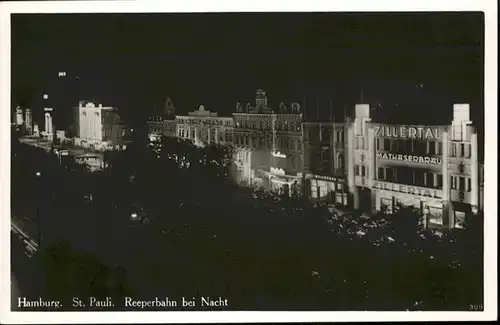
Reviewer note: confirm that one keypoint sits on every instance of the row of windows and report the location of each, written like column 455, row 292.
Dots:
column 409, row 176
column 461, row 183
column 463, row 150
column 204, row 136
column 280, row 125
column 205, row 122
column 412, row 146
column 325, row 134
column 267, row 142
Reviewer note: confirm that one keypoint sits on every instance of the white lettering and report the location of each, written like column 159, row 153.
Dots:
column 406, row 189
column 414, row 159
column 402, row 132
column 428, row 133
column 377, row 131
column 420, row 130
column 412, row 132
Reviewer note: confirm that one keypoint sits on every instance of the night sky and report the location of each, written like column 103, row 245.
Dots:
column 411, row 65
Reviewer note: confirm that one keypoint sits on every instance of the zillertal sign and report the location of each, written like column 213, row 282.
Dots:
column 407, row 189
column 408, row 132
column 409, row 158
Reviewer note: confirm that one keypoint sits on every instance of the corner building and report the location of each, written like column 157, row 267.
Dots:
column 432, row 168
column 268, row 145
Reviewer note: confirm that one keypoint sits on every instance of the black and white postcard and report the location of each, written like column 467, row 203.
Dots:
column 171, row 159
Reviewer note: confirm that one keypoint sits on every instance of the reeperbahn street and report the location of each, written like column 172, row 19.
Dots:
column 173, row 224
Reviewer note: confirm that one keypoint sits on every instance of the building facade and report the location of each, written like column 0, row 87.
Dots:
column 432, row 168
column 99, row 127
column 268, row 145
column 325, row 172
column 356, row 163
column 205, row 128
column 162, row 124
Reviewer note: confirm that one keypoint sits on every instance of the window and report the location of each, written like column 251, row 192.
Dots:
column 467, row 148
column 394, row 145
column 453, row 184
column 453, row 150
column 386, row 204
column 356, row 170
column 435, row 215
column 361, row 143
column 387, row 144
column 363, row 171
column 341, row 198
column 459, row 219
column 377, row 144
column 461, row 183
column 429, row 179
column 390, row 174
column 462, row 150
column 402, row 146
column 469, row 184
column 432, row 148
column 380, row 173
column 419, row 178
column 439, row 181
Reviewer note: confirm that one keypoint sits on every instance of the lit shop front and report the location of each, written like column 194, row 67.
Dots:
column 432, row 168
column 332, row 190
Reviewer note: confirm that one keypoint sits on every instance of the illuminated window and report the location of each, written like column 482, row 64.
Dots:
column 436, row 215
column 453, row 183
column 459, row 219
column 386, row 204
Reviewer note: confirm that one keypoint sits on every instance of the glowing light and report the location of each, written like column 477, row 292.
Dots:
column 278, row 154
column 61, row 74
column 38, row 174
column 45, row 96
column 133, row 215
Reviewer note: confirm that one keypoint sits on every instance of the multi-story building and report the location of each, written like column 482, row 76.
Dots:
column 19, row 116
column 433, row 168
column 28, row 121
column 269, row 144
column 162, row 124
column 99, row 127
column 325, row 173
column 204, row 128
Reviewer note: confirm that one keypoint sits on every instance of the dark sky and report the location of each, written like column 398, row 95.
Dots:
column 136, row 60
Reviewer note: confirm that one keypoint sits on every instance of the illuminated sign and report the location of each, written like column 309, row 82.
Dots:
column 407, row 189
column 408, row 132
column 48, row 109
column 278, row 154
column 277, row 171
column 410, row 158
